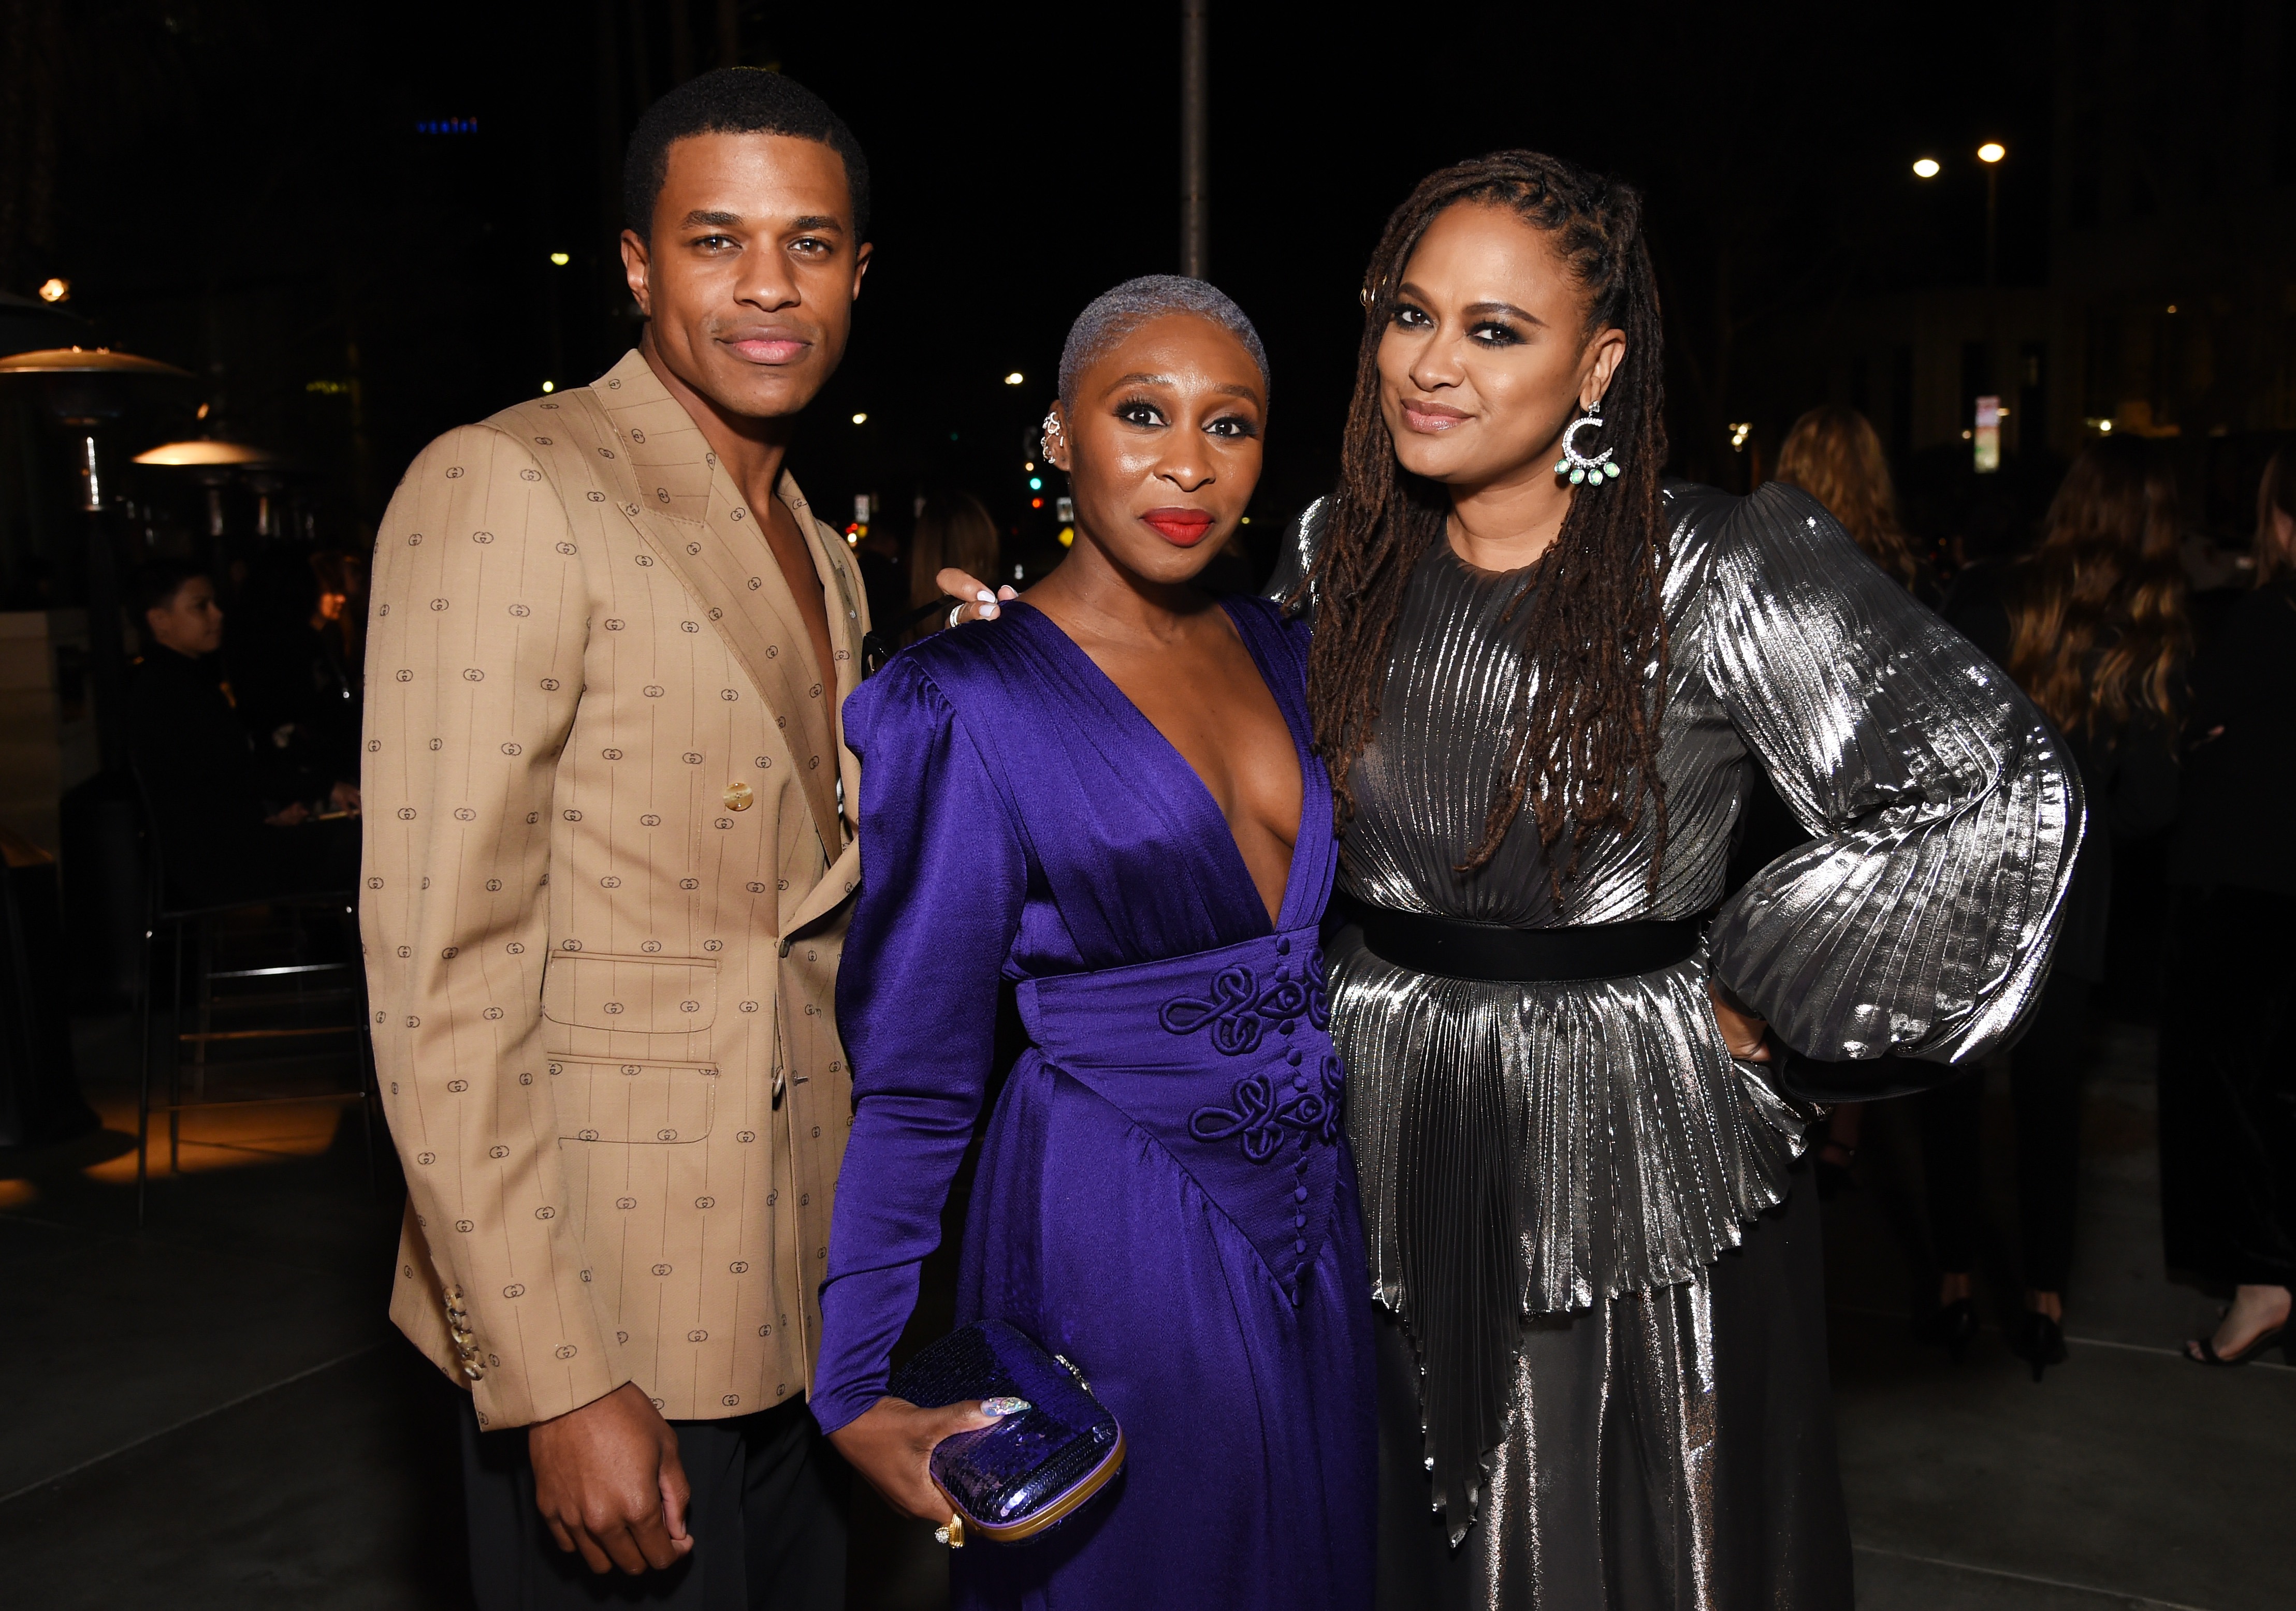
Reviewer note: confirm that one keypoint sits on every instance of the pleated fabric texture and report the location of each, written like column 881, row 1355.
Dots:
column 1533, row 1150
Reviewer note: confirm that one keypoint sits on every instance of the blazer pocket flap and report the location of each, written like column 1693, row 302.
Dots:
column 641, row 995
column 653, row 1104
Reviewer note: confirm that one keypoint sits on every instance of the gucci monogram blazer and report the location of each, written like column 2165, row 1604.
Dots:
column 608, row 857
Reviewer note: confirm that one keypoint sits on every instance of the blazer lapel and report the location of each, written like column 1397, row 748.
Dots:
column 693, row 519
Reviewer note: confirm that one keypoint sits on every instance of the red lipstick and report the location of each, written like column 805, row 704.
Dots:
column 1185, row 527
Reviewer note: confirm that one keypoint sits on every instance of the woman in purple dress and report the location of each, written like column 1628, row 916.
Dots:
column 1108, row 798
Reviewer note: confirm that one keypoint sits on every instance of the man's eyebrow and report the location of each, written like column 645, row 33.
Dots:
column 718, row 218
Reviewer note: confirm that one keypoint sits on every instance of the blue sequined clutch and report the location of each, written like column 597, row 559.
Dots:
column 1032, row 1470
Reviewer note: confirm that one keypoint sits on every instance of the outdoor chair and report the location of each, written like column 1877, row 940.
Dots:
column 190, row 934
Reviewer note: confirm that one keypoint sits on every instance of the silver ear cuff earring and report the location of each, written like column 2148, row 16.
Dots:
column 1052, row 434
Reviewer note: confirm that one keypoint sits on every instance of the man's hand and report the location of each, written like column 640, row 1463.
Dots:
column 980, row 604
column 608, row 1481
column 291, row 817
column 892, row 1443
column 345, row 796
column 1748, row 1036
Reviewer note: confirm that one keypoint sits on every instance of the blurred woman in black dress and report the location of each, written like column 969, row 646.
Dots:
column 2227, row 1061
column 2092, row 626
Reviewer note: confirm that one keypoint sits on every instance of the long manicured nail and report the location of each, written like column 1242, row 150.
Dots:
column 987, row 597
column 987, row 612
column 1001, row 1407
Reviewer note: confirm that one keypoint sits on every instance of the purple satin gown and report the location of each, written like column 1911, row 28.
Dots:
column 1166, row 1195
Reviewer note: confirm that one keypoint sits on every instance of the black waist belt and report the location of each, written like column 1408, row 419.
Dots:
column 1454, row 948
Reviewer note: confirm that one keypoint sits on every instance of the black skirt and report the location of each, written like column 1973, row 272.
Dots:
column 1666, row 1450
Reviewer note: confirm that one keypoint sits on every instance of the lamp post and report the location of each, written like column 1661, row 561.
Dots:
column 1195, row 200
column 1990, row 153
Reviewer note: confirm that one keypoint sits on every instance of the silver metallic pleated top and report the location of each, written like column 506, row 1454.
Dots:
column 1531, row 1149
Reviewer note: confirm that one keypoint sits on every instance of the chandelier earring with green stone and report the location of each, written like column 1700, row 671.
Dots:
column 1582, row 470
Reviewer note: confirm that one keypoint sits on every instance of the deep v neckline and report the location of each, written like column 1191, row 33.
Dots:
column 1202, row 796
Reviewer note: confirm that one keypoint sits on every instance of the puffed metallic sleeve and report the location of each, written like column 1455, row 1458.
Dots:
column 1945, row 811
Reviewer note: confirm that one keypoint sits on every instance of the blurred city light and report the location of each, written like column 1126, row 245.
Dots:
column 1739, row 431
column 860, row 419
column 550, row 386
column 1036, row 483
column 561, row 258
column 1992, row 150
column 1036, row 503
column 1014, row 379
column 55, row 291
column 1926, row 168
column 1068, row 535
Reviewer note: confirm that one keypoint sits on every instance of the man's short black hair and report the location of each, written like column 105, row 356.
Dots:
column 157, row 582
column 736, row 100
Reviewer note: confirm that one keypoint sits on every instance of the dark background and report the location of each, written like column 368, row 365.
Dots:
column 243, row 187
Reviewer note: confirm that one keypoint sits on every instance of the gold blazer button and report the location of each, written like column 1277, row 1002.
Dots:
column 739, row 797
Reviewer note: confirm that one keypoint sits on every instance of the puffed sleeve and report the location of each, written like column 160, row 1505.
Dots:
column 1945, row 812
column 943, row 878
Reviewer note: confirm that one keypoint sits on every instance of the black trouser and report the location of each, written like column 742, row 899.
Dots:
column 2228, row 1087
column 767, row 1520
column 2044, row 1087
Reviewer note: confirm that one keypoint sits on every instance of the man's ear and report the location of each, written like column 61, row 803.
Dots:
column 861, row 268
column 637, row 267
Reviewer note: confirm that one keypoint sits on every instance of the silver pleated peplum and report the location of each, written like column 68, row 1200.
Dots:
column 1528, row 1152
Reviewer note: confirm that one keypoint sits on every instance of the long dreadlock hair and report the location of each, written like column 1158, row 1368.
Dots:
column 1585, row 752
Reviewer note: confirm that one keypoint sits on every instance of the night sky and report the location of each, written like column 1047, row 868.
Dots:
column 246, row 189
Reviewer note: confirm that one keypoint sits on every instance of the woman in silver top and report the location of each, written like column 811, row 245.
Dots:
column 1543, row 682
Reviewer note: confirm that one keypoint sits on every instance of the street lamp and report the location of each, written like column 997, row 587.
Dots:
column 1925, row 167
column 1990, row 153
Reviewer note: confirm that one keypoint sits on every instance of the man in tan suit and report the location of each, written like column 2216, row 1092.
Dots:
column 607, row 873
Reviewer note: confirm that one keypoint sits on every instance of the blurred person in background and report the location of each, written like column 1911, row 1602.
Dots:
column 1833, row 454
column 233, row 823
column 2092, row 626
column 954, row 532
column 291, row 674
column 2227, row 1072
